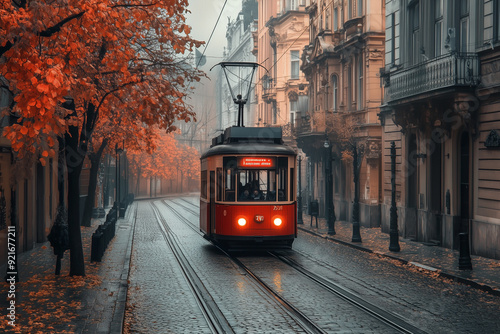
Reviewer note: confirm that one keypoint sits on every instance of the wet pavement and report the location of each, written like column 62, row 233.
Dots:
column 485, row 273
column 98, row 304
column 46, row 303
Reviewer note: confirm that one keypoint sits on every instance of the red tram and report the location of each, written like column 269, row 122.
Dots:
column 248, row 186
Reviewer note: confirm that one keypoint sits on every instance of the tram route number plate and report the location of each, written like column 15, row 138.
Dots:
column 278, row 207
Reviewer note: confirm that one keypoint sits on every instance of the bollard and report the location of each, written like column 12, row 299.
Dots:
column 102, row 213
column 96, row 252
column 314, row 210
column 464, row 261
column 103, row 236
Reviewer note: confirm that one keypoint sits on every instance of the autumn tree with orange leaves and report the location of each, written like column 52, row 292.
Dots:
column 71, row 64
column 166, row 160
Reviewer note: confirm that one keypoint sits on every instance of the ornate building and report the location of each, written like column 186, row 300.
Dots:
column 441, row 109
column 342, row 62
column 239, row 36
column 281, row 87
column 28, row 195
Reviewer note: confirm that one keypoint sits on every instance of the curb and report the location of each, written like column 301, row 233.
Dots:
column 441, row 273
column 121, row 302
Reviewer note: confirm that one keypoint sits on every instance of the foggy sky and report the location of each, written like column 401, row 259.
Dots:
column 202, row 19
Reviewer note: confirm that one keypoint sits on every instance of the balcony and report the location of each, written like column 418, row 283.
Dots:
column 353, row 27
column 301, row 126
column 451, row 70
column 308, row 138
column 268, row 89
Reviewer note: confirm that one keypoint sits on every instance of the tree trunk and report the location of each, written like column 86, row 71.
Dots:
column 77, row 264
column 137, row 193
column 61, row 164
column 105, row 183
column 95, row 160
column 75, row 150
column 182, row 180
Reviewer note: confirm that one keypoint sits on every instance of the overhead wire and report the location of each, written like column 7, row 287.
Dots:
column 288, row 48
column 298, row 37
column 274, row 64
column 210, row 38
column 213, row 30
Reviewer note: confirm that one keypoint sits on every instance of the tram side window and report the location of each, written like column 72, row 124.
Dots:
column 282, row 178
column 229, row 179
column 203, row 185
column 220, row 184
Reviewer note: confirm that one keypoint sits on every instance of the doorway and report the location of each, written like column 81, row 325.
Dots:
column 436, row 193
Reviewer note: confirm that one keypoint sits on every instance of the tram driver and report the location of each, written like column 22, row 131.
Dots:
column 257, row 195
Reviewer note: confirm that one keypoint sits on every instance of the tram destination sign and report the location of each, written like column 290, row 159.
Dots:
column 256, row 162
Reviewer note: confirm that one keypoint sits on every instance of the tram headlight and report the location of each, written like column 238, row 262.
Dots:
column 277, row 221
column 242, row 221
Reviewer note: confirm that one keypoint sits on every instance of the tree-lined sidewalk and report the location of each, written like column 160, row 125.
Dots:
column 87, row 73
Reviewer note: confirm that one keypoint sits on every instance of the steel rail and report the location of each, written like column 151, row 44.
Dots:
column 213, row 315
column 384, row 316
column 302, row 320
column 196, row 213
column 377, row 312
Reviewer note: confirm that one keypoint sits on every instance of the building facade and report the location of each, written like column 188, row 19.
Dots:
column 279, row 39
column 239, row 36
column 342, row 62
column 28, row 195
column 440, row 108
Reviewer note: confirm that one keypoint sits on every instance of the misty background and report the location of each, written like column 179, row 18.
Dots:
column 202, row 19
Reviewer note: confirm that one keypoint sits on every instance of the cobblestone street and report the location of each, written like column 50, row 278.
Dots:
column 159, row 296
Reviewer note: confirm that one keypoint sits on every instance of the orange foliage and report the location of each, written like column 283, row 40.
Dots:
column 166, row 158
column 123, row 59
column 341, row 129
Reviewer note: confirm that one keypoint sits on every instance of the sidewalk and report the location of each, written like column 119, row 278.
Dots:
column 46, row 303
column 485, row 273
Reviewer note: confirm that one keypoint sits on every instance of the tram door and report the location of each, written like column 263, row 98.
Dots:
column 211, row 223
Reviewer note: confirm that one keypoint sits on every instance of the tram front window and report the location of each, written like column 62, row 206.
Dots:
column 258, row 185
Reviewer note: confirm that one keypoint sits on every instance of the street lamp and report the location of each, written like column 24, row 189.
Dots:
column 356, row 235
column 299, row 199
column 393, row 232
column 329, row 189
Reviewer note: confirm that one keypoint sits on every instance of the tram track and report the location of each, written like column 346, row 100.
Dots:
column 307, row 324
column 382, row 315
column 214, row 317
column 188, row 209
column 375, row 311
column 301, row 319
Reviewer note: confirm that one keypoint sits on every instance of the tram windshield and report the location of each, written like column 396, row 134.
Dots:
column 253, row 179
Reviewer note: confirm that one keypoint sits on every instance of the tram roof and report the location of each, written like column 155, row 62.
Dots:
column 249, row 140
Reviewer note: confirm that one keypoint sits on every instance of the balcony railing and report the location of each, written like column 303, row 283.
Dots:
column 446, row 71
column 268, row 89
column 301, row 126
